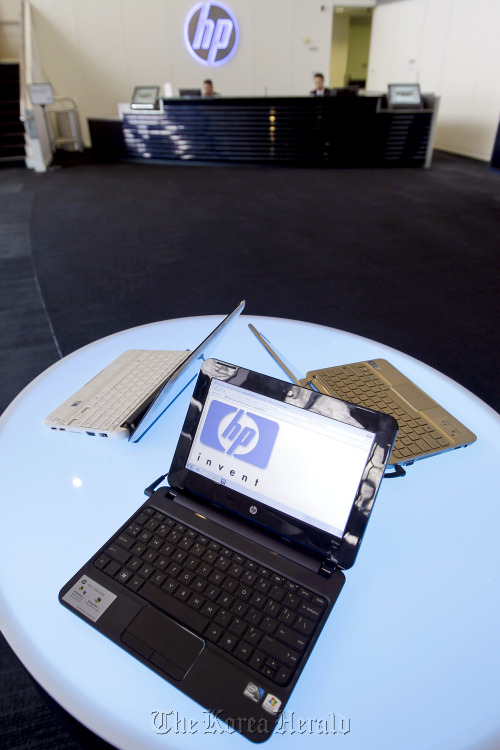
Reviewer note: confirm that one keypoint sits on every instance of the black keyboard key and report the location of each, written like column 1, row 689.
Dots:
column 244, row 592
column 225, row 599
column 269, row 625
column 257, row 660
column 199, row 584
column 279, row 651
column 156, row 542
column 248, row 577
column 102, row 561
column 222, row 563
column 238, row 626
column 296, row 640
column 170, row 585
column 150, row 556
column 175, row 608
column 243, row 651
column 239, row 560
column 318, row 601
column 135, row 583
column 223, row 617
column 263, row 585
column 209, row 609
column 253, row 616
column 198, row 549
column 212, row 592
column 253, row 635
column 230, row 584
column 235, row 570
column 268, row 671
column 123, row 575
column 283, row 676
column 158, row 579
column 228, row 642
column 277, row 592
column 135, row 563
column 126, row 540
column 258, row 600
column 292, row 601
column 272, row 608
column 310, row 610
column 239, row 608
column 182, row 593
column 112, row 568
column 303, row 625
column 287, row 616
column 196, row 601
column 174, row 569
column 115, row 552
column 213, row 632
column 146, row 571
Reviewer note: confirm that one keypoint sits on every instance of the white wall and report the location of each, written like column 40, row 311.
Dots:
column 97, row 50
column 451, row 48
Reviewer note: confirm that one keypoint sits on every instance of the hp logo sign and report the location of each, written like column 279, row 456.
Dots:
column 239, row 434
column 211, row 33
column 253, row 510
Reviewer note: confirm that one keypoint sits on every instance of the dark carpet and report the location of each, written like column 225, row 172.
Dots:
column 406, row 257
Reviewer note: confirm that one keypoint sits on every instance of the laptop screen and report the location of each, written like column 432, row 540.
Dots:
column 298, row 464
column 280, row 455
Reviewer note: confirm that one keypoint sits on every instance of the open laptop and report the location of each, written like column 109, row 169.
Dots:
column 222, row 581
column 126, row 398
column 425, row 428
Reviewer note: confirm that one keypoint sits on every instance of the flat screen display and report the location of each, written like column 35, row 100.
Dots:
column 280, row 455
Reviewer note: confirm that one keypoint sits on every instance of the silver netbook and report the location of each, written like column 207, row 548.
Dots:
column 425, row 427
column 129, row 396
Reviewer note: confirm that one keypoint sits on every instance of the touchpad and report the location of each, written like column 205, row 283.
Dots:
column 163, row 642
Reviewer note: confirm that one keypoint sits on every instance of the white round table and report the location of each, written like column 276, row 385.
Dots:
column 409, row 657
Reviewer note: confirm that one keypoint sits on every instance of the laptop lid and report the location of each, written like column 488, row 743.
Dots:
column 303, row 466
column 180, row 378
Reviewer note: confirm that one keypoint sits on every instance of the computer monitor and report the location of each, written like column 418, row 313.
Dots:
column 145, row 97
column 404, row 96
column 189, row 92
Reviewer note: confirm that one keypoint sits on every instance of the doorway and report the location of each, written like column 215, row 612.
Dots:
column 351, row 34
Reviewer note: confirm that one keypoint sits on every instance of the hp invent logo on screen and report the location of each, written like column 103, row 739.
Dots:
column 211, row 33
column 239, row 433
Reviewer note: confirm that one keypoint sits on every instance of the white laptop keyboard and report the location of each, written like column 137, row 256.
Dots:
column 110, row 398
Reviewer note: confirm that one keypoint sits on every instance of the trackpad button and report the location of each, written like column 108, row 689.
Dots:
column 164, row 642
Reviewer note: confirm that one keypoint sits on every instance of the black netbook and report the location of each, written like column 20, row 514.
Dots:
column 222, row 581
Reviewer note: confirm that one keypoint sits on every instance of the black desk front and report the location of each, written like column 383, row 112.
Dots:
column 339, row 131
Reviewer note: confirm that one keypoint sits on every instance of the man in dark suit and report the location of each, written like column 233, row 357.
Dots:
column 319, row 86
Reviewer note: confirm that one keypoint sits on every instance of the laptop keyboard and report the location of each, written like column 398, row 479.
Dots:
column 249, row 611
column 118, row 398
column 416, row 435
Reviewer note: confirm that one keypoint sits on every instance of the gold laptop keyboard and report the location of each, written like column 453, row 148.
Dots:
column 416, row 436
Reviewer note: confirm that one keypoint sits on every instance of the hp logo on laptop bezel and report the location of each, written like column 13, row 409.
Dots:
column 209, row 30
column 253, row 509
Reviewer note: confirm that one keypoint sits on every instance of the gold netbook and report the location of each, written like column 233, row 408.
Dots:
column 425, row 428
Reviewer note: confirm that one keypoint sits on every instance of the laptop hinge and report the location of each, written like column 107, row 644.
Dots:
column 326, row 568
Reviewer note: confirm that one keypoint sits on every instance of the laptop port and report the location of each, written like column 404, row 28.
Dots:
column 91, row 433
column 102, row 434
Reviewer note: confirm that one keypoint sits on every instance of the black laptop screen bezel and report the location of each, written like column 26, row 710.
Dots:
column 340, row 551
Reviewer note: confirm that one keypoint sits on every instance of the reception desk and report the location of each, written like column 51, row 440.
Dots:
column 337, row 131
